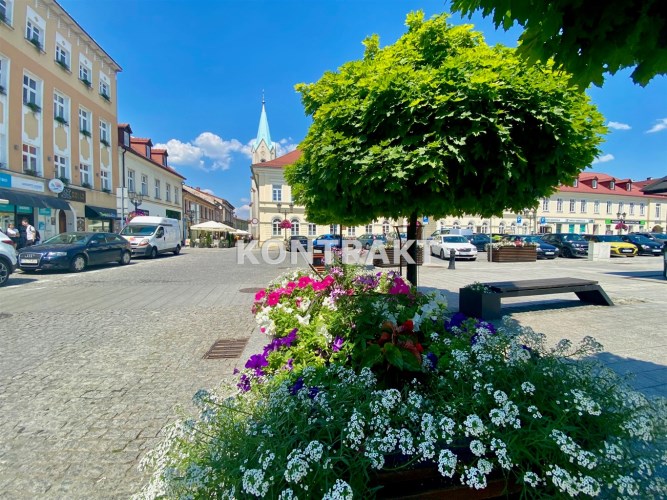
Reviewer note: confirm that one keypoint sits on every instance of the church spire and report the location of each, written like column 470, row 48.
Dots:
column 263, row 149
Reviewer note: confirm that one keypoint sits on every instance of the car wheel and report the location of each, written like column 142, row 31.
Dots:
column 473, row 259
column 367, row 246
column 442, row 254
column 78, row 264
column 4, row 272
column 125, row 258
column 567, row 253
column 153, row 253
column 178, row 250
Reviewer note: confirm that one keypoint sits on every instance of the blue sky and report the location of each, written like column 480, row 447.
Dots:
column 194, row 72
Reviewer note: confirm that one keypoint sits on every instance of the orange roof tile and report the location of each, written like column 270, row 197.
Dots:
column 281, row 161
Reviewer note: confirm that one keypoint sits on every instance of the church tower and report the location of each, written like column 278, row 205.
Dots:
column 263, row 149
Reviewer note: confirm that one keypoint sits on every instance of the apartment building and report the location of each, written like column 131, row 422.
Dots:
column 201, row 206
column 148, row 185
column 58, row 165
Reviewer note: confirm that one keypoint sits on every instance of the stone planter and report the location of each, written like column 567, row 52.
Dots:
column 512, row 254
column 393, row 262
column 478, row 304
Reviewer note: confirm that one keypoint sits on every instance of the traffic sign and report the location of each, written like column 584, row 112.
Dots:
column 543, row 220
column 425, row 219
column 519, row 220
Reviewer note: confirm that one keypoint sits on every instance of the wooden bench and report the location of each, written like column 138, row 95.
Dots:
column 486, row 305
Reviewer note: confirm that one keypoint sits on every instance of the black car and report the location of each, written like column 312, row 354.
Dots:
column 544, row 250
column 479, row 240
column 75, row 251
column 296, row 240
column 660, row 238
column 645, row 246
column 569, row 244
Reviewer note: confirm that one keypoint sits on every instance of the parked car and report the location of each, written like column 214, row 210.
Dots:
column 479, row 240
column 569, row 244
column 544, row 250
column 367, row 240
column 150, row 236
column 328, row 241
column 660, row 238
column 7, row 258
column 75, row 251
column 645, row 246
column 444, row 244
column 619, row 248
column 297, row 239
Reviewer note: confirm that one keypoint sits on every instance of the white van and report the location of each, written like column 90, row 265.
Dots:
column 150, row 236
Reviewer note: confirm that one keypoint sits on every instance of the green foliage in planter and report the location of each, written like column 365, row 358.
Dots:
column 63, row 64
column 3, row 18
column 33, row 106
column 61, row 120
column 64, row 180
column 105, row 142
column 36, row 43
column 105, row 97
column 86, row 82
column 86, row 185
column 106, row 190
column 2, row 90
column 29, row 171
column 85, row 132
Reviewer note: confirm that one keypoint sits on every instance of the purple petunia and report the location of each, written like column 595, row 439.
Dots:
column 298, row 385
column 314, row 391
column 455, row 321
column 257, row 362
column 244, row 383
column 432, row 359
column 337, row 344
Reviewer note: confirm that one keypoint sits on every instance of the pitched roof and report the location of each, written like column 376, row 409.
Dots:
column 263, row 133
column 208, row 197
column 585, row 185
column 281, row 161
column 654, row 186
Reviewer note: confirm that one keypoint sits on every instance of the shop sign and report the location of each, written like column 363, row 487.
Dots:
column 56, row 185
column 27, row 184
column 44, row 211
column 72, row 194
column 626, row 221
column 569, row 221
column 5, row 180
column 173, row 214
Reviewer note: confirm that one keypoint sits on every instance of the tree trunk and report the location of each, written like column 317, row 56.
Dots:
column 412, row 251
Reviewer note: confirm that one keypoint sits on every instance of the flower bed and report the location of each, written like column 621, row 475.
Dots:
column 512, row 253
column 362, row 375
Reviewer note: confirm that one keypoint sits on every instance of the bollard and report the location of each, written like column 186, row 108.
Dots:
column 452, row 259
column 664, row 260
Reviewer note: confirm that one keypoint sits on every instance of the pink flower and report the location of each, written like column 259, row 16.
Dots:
column 304, row 281
column 274, row 298
column 290, row 286
column 260, row 295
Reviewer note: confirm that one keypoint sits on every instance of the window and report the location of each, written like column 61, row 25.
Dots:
column 104, row 89
column 3, row 71
column 559, row 205
column 594, row 183
column 85, row 175
column 30, row 90
column 632, row 209
column 34, row 33
column 167, row 191
column 84, row 122
column 642, row 209
column 144, row 185
column 333, row 228
column 157, row 189
column 369, row 228
column 60, row 108
column 628, row 186
column 130, row 181
column 148, row 151
column 657, row 210
column 583, row 206
column 596, row 206
column 275, row 224
column 296, row 226
column 176, row 194
column 6, row 10
column 277, row 193
column 545, row 204
column 575, row 183
column 30, row 159
column 104, row 133
column 385, row 227
column 105, row 180
column 312, row 229
column 573, row 204
column 612, row 185
column 85, row 73
column 351, row 231
column 609, row 209
column 62, row 170
column 621, row 206
column 62, row 56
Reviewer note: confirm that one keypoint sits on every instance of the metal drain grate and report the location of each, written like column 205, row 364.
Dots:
column 226, row 349
column 251, row 290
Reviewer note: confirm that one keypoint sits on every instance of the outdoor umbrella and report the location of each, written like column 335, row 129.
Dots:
column 212, row 226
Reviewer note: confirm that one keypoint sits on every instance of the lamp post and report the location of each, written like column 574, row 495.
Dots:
column 187, row 221
column 136, row 199
column 621, row 222
column 531, row 213
column 285, row 212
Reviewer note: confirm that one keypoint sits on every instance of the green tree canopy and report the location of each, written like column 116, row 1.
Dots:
column 439, row 123
column 587, row 38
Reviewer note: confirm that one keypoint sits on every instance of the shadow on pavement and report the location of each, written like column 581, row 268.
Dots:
column 18, row 279
column 653, row 275
column 645, row 376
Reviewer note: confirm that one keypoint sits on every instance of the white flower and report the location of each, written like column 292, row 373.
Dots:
column 477, row 447
column 339, row 491
column 474, row 426
column 447, row 463
column 531, row 479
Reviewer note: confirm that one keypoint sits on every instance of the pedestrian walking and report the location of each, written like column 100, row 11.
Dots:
column 13, row 233
column 30, row 233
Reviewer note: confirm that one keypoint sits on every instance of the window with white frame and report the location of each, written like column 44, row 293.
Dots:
column 60, row 107
column 34, row 33
column 385, row 227
column 612, row 185
column 583, row 206
column 545, row 204
column 4, row 66
column 62, row 56
column 575, row 183
column 130, row 181
column 351, row 231
column 594, row 183
column 596, row 206
column 609, row 207
column 277, row 194
column 657, row 210
column 559, row 205
column 85, row 72
column 105, row 180
column 573, row 205
column 62, row 167
column 628, row 186
column 632, row 209
column 621, row 206
column 296, row 226
column 312, row 229
column 333, row 228
column 104, row 133
column 30, row 90
column 84, row 121
column 31, row 159
column 167, row 192
column 369, row 228
column 176, row 195
column 642, row 209
column 104, row 87
column 6, row 8
column 157, row 189
column 275, row 226
column 144, row 185
column 84, row 171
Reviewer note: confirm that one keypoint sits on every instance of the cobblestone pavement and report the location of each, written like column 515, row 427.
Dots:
column 95, row 364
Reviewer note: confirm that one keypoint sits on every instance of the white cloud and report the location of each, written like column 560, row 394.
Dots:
column 245, row 200
column 284, row 146
column 619, row 126
column 661, row 125
column 208, row 191
column 182, row 153
column 218, row 150
column 603, row 158
column 243, row 212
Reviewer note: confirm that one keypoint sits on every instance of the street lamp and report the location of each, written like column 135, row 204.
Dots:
column 621, row 222
column 285, row 224
column 136, row 199
column 531, row 213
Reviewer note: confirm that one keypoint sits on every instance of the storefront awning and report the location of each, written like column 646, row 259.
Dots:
column 100, row 212
column 33, row 200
